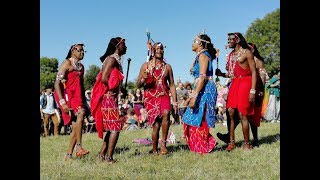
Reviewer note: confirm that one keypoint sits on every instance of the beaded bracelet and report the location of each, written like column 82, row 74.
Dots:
column 62, row 102
column 175, row 103
column 252, row 91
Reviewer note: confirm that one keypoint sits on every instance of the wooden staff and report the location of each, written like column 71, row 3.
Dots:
column 125, row 84
column 217, row 57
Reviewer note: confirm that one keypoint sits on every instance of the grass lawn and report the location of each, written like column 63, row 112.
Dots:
column 134, row 162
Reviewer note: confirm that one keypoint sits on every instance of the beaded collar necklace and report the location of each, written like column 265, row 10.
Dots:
column 76, row 64
column 118, row 59
column 234, row 57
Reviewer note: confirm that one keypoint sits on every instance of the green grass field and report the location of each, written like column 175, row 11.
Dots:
column 134, row 162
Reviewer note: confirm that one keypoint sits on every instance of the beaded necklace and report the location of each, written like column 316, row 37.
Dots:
column 158, row 78
column 76, row 64
column 234, row 57
column 118, row 59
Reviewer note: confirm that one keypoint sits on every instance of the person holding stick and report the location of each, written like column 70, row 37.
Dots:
column 156, row 76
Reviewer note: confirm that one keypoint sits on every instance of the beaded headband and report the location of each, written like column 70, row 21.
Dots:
column 73, row 46
column 158, row 44
column 198, row 37
column 121, row 40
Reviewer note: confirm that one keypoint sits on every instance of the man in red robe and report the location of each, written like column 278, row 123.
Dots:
column 156, row 77
column 69, row 91
column 241, row 96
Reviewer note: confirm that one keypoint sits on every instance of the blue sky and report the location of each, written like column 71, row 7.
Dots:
column 173, row 22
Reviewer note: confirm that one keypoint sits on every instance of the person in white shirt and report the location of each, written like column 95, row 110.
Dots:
column 48, row 108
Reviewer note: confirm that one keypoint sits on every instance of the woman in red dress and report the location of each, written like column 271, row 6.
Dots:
column 69, row 91
column 104, row 102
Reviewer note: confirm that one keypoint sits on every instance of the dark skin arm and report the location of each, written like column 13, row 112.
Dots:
column 172, row 87
column 244, row 62
column 142, row 74
column 106, row 69
column 58, row 85
column 260, row 65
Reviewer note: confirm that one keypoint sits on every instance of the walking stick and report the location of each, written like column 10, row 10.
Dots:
column 217, row 57
column 125, row 84
column 149, row 45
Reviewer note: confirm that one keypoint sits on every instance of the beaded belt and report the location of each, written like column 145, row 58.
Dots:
column 109, row 93
column 206, row 78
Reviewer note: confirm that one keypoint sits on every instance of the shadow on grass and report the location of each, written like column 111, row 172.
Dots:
column 121, row 150
column 263, row 140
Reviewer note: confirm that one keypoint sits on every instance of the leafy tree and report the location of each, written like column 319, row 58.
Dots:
column 131, row 85
column 265, row 34
column 48, row 71
column 90, row 76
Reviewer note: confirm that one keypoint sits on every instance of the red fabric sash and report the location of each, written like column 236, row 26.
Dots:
column 115, row 78
column 98, row 90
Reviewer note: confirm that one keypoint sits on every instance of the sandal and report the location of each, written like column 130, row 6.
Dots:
column 249, row 146
column 68, row 157
column 153, row 152
column 101, row 158
column 163, row 149
column 231, row 145
column 81, row 152
column 165, row 152
column 110, row 160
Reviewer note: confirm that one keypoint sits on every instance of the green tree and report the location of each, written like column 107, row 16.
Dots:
column 48, row 71
column 90, row 76
column 131, row 85
column 265, row 34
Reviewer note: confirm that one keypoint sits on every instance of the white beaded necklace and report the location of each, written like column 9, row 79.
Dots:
column 233, row 59
column 76, row 64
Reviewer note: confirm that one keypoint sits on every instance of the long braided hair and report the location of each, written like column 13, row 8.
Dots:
column 112, row 47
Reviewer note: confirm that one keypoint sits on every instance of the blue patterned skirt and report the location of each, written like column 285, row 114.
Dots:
column 206, row 100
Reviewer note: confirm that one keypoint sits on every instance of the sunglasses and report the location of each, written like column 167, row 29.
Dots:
column 80, row 50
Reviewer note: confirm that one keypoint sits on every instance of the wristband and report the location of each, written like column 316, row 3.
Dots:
column 252, row 91
column 175, row 103
column 62, row 102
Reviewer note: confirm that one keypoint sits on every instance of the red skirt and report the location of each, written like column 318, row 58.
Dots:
column 199, row 139
column 155, row 107
column 110, row 114
column 238, row 96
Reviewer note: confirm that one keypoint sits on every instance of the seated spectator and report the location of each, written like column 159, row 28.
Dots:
column 143, row 118
column 131, row 121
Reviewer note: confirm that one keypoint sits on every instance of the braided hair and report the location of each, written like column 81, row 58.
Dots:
column 243, row 43
column 211, row 50
column 255, row 51
column 112, row 47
